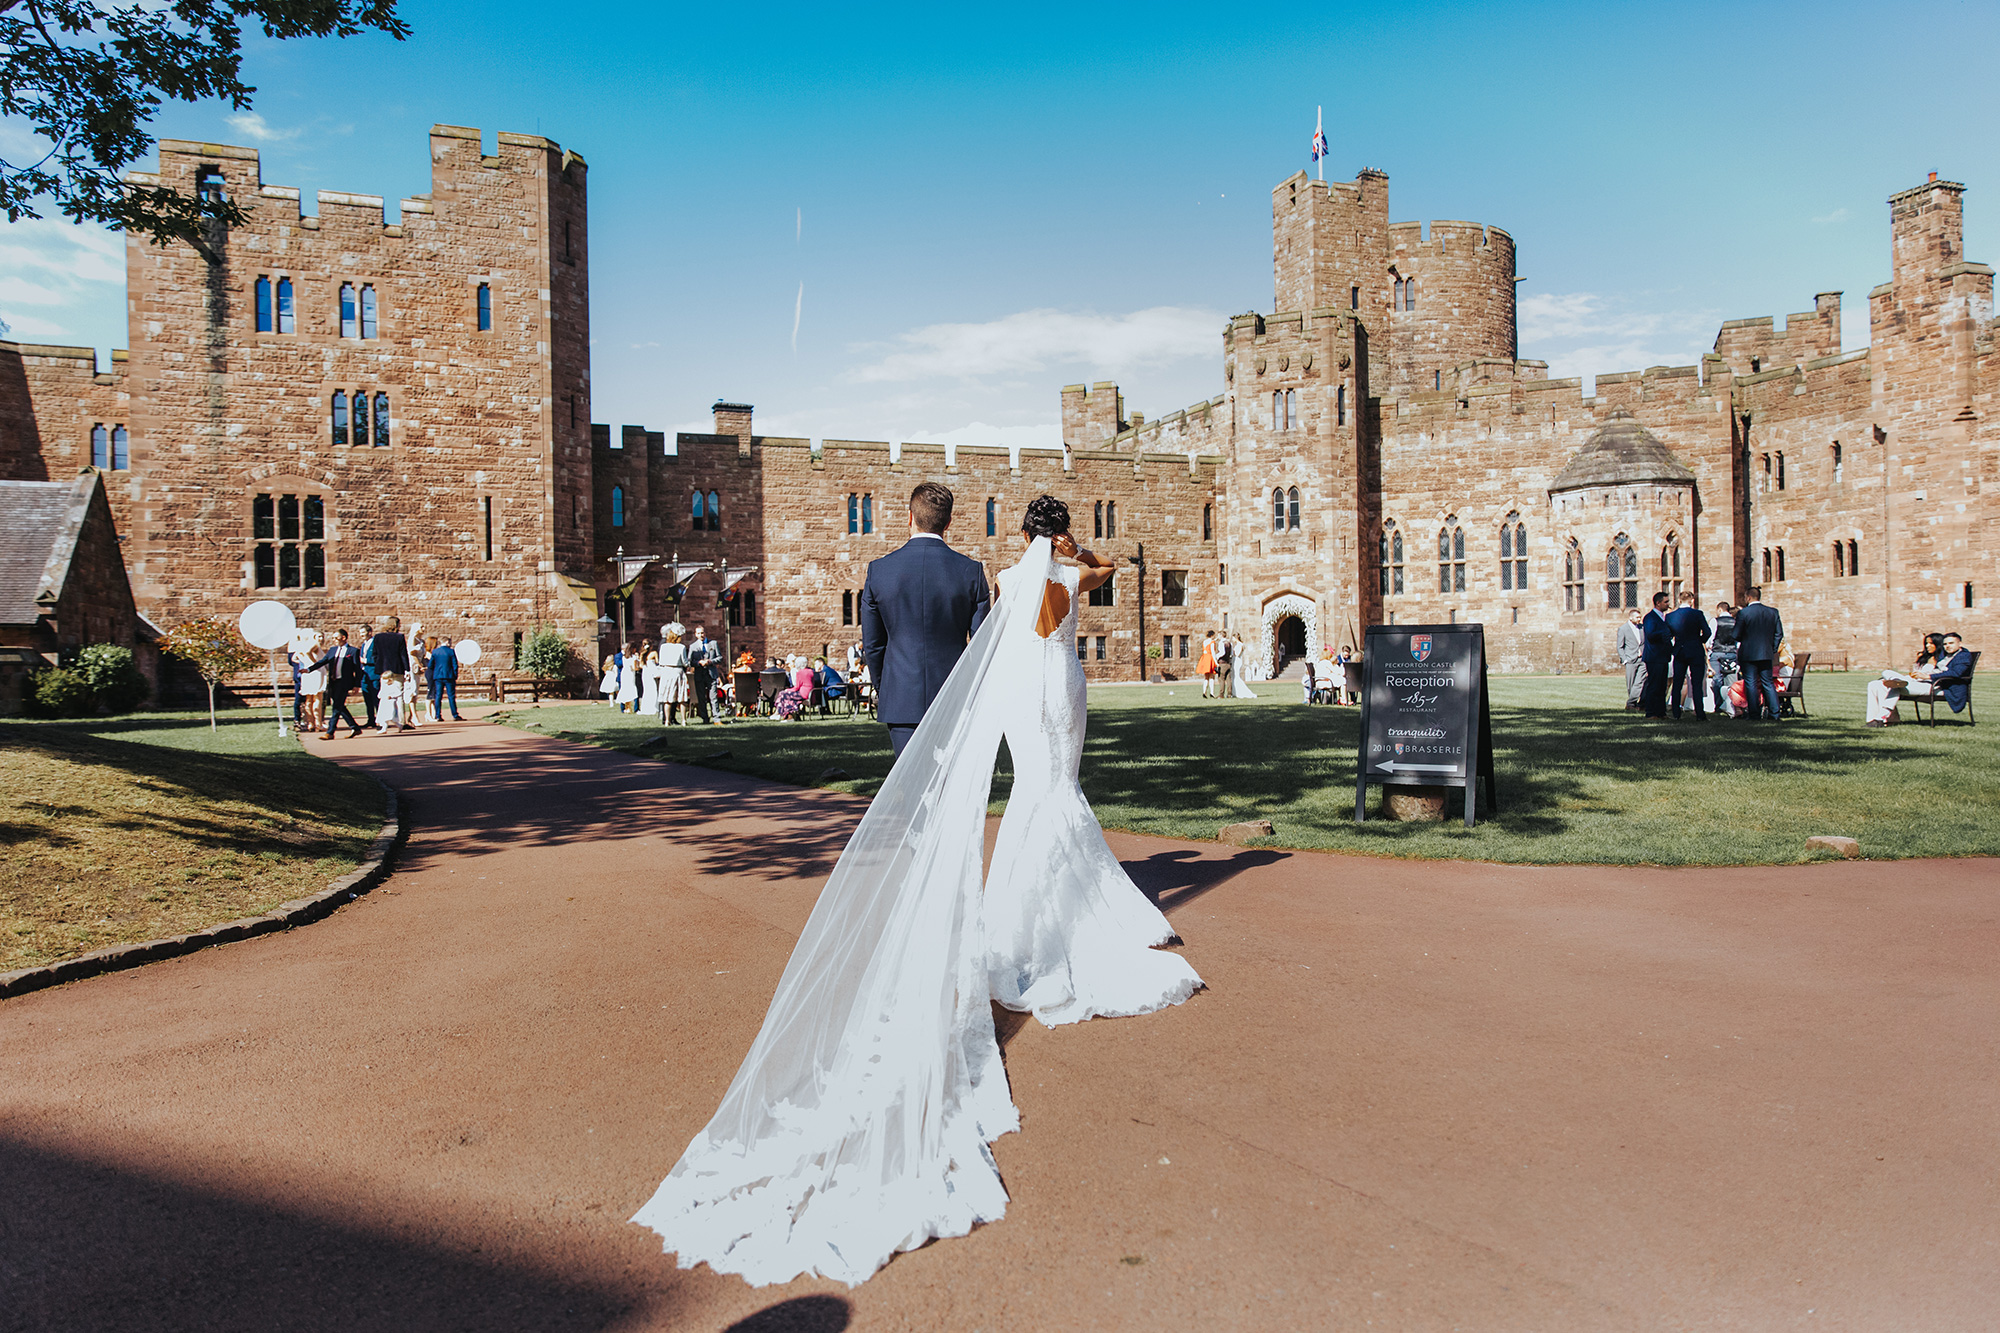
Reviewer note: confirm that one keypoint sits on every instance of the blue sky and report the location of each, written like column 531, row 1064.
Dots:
column 964, row 210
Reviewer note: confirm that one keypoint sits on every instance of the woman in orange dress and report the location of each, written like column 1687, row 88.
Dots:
column 1208, row 668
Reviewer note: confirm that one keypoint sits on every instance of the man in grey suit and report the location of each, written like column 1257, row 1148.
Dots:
column 920, row 605
column 1759, row 632
column 1631, row 652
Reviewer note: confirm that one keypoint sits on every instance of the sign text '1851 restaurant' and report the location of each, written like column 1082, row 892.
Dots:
column 1423, row 712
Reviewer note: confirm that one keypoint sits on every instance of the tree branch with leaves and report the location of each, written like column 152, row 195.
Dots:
column 216, row 649
column 88, row 77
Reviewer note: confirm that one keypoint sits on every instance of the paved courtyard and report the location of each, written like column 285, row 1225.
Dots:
column 1417, row 1095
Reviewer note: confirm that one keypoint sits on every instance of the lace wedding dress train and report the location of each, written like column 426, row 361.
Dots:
column 1069, row 936
column 859, row 1123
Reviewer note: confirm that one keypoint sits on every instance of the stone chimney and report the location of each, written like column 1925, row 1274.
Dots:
column 734, row 419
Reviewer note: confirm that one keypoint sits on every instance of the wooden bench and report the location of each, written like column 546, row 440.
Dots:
column 1830, row 662
column 534, row 686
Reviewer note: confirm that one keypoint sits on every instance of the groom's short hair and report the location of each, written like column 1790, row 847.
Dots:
column 930, row 507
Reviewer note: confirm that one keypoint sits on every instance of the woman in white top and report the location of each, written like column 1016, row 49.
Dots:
column 1239, row 679
column 673, row 676
column 628, row 681
column 649, row 684
column 312, row 684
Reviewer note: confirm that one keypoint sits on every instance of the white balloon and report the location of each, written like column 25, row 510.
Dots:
column 468, row 652
column 267, row 624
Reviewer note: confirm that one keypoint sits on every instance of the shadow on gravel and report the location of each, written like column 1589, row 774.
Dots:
column 88, row 1248
column 804, row 1314
column 1174, row 879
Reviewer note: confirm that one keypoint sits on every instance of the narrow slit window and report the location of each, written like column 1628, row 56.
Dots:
column 847, row 607
column 867, row 514
column 1781, row 472
column 1278, row 509
column 100, row 447
column 339, row 417
column 368, row 311
column 617, row 506
column 121, row 449
column 1292, row 509
column 1340, row 405
column 286, row 322
column 382, row 421
column 1854, row 558
column 1836, row 462
column 698, row 513
column 264, row 305
column 485, row 308
column 714, row 512
column 853, row 512
column 361, row 422
column 992, row 517
column 350, row 325
column 486, row 525
column 1110, row 519
column 1208, row 522
column 1097, row 520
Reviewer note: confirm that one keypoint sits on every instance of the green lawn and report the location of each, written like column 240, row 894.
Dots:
column 133, row 828
column 1580, row 779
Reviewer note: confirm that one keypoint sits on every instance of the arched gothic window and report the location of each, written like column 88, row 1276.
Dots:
column 1292, row 508
column 1392, row 557
column 350, row 327
column 339, row 417
column 1451, row 556
column 1513, row 553
column 1670, row 568
column 698, row 514
column 617, row 506
column 1621, row 574
column 1278, row 509
column 1572, row 576
column 1853, row 556
column 714, row 512
column 382, row 420
column 100, row 447
column 361, row 418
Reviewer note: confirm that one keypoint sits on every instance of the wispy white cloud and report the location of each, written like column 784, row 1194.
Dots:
column 1837, row 215
column 1039, row 341
column 256, row 127
column 1586, row 334
column 71, row 277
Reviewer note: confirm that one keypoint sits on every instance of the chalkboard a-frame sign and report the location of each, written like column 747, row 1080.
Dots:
column 1423, row 713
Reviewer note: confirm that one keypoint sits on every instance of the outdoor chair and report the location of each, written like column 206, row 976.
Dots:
column 743, row 693
column 1918, row 703
column 771, row 685
column 1792, row 693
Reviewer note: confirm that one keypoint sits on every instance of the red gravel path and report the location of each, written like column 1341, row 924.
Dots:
column 1417, row 1095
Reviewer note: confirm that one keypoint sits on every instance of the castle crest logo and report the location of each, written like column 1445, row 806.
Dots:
column 1420, row 646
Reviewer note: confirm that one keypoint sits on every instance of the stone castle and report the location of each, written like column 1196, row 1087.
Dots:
column 356, row 417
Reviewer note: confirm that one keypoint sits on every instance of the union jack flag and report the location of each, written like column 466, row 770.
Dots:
column 1319, row 136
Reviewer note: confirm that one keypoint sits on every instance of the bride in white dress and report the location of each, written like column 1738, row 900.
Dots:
column 859, row 1122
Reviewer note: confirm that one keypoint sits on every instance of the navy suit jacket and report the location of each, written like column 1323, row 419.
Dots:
column 1953, row 679
column 1659, row 639
column 342, row 665
column 1759, row 631
column 1690, row 631
column 919, row 606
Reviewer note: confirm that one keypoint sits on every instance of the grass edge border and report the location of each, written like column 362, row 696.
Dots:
column 374, row 868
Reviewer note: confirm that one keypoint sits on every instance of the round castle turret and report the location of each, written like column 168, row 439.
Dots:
column 1457, row 290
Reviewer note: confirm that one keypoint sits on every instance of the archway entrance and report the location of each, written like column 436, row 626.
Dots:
column 1289, row 638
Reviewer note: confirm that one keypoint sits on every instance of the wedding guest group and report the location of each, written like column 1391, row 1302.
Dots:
column 1942, row 672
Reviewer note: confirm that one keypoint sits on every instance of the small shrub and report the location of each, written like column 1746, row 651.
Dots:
column 62, row 692
column 544, row 654
column 113, row 676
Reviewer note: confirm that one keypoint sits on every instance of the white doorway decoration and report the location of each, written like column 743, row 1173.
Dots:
column 1275, row 610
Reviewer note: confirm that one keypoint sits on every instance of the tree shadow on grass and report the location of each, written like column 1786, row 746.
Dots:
column 290, row 782
column 1550, row 762
column 801, row 1314
column 91, row 1248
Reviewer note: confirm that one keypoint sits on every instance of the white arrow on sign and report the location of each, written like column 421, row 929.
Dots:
column 1391, row 766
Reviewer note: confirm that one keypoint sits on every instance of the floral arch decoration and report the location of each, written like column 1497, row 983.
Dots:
column 1266, row 649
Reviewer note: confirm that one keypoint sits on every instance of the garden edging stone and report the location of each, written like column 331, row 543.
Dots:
column 373, row 869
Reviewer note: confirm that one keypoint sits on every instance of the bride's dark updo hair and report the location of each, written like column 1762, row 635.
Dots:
column 1046, row 517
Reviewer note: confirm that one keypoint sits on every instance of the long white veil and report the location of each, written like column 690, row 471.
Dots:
column 859, row 1122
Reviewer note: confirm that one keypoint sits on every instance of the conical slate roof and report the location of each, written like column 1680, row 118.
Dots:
column 1622, row 451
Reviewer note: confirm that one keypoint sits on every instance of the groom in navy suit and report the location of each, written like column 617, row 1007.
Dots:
column 920, row 605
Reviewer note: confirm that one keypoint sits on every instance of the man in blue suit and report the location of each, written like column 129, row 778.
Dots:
column 1759, row 631
column 1658, row 656
column 920, row 605
column 342, row 665
column 1690, row 630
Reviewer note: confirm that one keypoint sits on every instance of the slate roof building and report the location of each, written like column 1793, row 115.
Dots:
column 62, row 580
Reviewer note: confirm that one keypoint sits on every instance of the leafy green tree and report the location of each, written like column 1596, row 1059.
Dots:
column 215, row 648
column 544, row 654
column 87, row 75
column 115, row 682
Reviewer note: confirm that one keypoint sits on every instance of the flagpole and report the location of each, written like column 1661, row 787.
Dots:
column 1319, row 132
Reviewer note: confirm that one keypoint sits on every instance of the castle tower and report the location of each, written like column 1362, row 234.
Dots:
column 361, row 416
